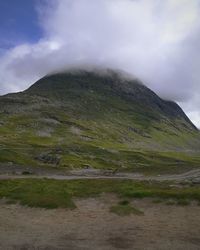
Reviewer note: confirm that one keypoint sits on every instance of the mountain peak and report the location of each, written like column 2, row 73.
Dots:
column 105, row 84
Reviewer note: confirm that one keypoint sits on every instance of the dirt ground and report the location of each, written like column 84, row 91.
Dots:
column 91, row 226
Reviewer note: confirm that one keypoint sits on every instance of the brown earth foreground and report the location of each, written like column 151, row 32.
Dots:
column 93, row 227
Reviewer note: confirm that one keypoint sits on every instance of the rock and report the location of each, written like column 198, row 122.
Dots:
column 48, row 158
column 196, row 180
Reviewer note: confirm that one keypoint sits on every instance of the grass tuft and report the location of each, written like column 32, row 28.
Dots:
column 183, row 202
column 124, row 209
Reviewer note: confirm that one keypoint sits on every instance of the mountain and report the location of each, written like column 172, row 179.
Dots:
column 104, row 119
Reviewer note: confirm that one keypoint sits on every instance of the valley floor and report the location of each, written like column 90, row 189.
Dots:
column 92, row 226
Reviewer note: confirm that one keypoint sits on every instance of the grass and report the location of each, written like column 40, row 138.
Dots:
column 123, row 209
column 56, row 193
column 74, row 153
column 27, row 173
column 183, row 202
column 180, row 202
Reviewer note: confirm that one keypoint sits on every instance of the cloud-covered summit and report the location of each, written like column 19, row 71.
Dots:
column 155, row 40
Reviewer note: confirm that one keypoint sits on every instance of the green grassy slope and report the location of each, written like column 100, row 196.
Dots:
column 83, row 119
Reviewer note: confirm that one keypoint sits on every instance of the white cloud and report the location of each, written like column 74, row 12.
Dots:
column 158, row 41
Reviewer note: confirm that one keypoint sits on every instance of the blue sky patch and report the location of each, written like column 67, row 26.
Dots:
column 18, row 23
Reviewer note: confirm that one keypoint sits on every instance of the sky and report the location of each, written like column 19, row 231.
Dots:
column 157, row 41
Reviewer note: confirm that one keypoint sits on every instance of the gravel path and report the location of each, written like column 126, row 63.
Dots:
column 193, row 176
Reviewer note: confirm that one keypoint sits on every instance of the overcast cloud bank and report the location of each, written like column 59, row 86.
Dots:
column 157, row 41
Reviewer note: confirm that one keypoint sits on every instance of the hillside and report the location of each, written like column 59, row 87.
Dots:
column 83, row 119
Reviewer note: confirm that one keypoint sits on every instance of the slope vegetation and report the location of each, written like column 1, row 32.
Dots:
column 84, row 119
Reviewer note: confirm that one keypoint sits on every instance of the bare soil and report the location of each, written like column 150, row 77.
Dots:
column 91, row 226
